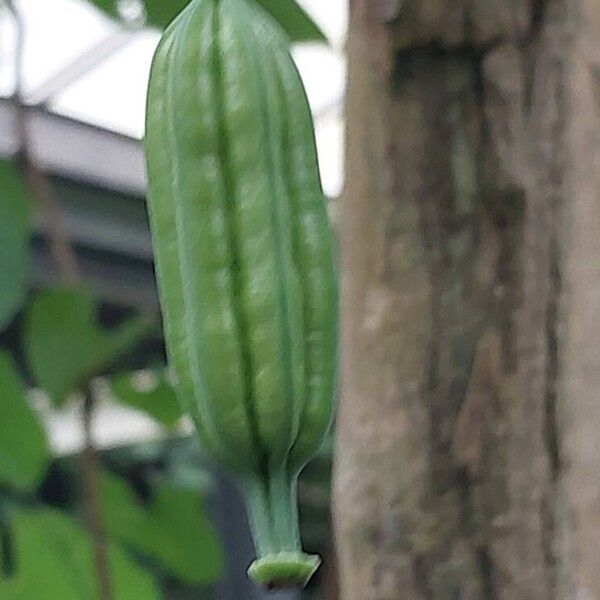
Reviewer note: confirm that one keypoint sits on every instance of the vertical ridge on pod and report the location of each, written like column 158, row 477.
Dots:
column 291, row 289
column 206, row 295
column 317, row 264
column 233, row 239
column 269, row 285
column 164, row 228
column 313, row 250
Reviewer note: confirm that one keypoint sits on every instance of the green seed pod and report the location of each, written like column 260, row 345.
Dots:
column 245, row 260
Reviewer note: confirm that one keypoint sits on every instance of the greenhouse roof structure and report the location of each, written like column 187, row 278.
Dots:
column 88, row 69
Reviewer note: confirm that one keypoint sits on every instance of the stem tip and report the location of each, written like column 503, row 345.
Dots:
column 284, row 570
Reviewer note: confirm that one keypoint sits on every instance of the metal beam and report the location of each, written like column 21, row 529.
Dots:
column 80, row 66
column 82, row 152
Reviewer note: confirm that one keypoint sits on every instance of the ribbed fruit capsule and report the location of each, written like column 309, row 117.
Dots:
column 245, row 259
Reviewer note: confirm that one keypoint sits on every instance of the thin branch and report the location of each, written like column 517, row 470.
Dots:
column 66, row 260
column 90, row 470
column 38, row 183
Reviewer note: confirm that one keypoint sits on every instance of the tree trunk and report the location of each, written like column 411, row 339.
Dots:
column 468, row 458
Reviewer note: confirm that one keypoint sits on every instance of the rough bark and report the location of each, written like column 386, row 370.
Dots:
column 468, row 459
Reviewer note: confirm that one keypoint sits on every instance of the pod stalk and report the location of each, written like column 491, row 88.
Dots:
column 273, row 513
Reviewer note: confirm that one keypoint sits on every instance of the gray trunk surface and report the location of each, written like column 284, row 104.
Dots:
column 468, row 458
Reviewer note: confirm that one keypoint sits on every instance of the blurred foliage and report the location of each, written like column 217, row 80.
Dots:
column 174, row 461
column 293, row 19
column 53, row 561
column 14, row 241
column 149, row 392
column 24, row 455
column 182, row 466
column 173, row 530
column 297, row 24
column 65, row 345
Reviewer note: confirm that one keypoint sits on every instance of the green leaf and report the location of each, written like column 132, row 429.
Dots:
column 174, row 531
column 183, row 468
column 14, row 241
column 24, row 455
column 294, row 20
column 150, row 392
column 53, row 560
column 160, row 13
column 66, row 346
